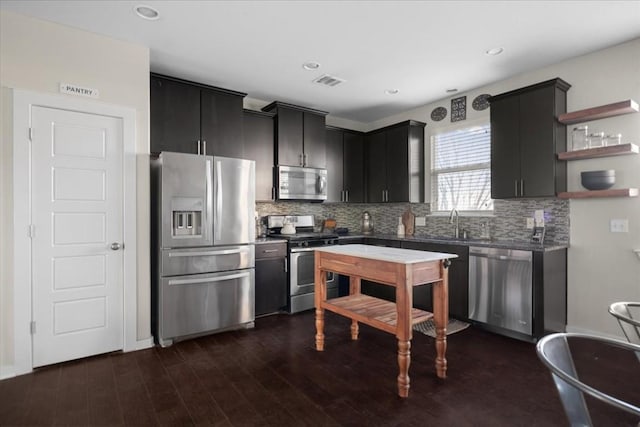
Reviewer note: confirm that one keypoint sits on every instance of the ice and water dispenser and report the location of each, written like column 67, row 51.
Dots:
column 187, row 217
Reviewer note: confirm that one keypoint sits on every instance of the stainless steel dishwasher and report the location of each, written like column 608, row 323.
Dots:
column 500, row 288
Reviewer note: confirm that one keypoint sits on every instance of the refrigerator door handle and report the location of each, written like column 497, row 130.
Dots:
column 204, row 253
column 209, row 200
column 218, row 192
column 205, row 280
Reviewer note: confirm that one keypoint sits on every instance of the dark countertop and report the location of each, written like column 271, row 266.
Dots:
column 489, row 243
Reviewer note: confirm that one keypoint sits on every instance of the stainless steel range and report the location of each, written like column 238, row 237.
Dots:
column 300, row 256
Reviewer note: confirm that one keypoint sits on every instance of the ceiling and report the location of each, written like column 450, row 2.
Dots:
column 420, row 48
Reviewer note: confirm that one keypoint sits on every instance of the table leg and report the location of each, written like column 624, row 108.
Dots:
column 354, row 288
column 404, row 360
column 320, row 288
column 441, row 317
column 404, row 304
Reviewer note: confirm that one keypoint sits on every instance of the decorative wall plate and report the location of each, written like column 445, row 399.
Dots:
column 459, row 109
column 438, row 114
column 481, row 102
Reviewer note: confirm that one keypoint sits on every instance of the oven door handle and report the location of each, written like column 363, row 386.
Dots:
column 296, row 250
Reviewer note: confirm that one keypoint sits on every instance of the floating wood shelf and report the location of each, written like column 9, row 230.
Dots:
column 590, row 153
column 622, row 192
column 616, row 109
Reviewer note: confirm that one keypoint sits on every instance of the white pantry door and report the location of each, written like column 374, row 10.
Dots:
column 77, row 214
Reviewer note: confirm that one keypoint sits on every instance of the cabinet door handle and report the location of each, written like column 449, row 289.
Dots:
column 346, row 195
column 304, row 156
column 204, row 147
column 515, row 187
column 273, row 193
column 269, row 251
column 522, row 188
column 286, row 266
column 342, row 195
column 199, row 148
column 300, row 160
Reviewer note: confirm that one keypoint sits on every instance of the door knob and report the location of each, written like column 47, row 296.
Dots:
column 115, row 246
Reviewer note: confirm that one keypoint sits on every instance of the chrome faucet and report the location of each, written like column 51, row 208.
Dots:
column 456, row 231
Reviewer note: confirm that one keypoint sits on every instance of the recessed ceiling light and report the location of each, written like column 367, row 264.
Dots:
column 146, row 12
column 452, row 90
column 391, row 91
column 312, row 65
column 494, row 51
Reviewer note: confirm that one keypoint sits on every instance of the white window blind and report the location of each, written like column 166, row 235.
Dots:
column 461, row 169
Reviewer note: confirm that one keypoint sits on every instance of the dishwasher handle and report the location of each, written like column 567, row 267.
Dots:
column 500, row 255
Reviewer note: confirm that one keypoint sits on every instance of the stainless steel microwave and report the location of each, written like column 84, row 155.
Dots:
column 297, row 183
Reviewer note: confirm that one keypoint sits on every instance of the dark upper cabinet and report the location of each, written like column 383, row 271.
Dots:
column 353, row 166
column 221, row 123
column 526, row 137
column 345, row 165
column 335, row 167
column 189, row 117
column 299, row 135
column 395, row 163
column 376, row 166
column 258, row 146
column 175, row 116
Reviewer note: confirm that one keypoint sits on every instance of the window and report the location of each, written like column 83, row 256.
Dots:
column 461, row 169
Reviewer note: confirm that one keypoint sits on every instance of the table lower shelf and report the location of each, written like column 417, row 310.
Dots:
column 375, row 312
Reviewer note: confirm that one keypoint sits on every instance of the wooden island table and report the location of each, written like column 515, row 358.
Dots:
column 401, row 268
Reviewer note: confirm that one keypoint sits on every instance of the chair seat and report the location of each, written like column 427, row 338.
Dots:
column 555, row 352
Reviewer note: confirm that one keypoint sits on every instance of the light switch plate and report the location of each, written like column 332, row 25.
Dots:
column 619, row 225
column 421, row 221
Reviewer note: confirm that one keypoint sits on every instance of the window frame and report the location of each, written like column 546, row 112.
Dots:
column 432, row 195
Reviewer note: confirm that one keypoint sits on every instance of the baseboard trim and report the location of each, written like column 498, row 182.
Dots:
column 577, row 330
column 143, row 344
column 7, row 371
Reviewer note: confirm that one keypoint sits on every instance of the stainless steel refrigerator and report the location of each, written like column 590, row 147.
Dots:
column 202, row 235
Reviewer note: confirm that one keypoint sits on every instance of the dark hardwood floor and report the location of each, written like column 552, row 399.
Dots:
column 272, row 376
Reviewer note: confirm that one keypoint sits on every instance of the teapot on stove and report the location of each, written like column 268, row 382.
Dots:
column 367, row 223
column 288, row 227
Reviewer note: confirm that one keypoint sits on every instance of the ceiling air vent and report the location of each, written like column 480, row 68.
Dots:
column 328, row 80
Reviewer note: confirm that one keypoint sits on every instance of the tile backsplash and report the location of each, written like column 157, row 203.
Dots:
column 508, row 221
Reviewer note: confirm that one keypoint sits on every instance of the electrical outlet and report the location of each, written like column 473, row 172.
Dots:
column 619, row 225
column 530, row 223
column 421, row 221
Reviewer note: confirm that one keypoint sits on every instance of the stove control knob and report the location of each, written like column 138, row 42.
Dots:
column 305, row 243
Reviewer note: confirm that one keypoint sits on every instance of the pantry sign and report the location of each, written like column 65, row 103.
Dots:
column 72, row 89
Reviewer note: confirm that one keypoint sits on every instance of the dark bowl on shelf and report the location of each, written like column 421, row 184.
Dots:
column 598, row 180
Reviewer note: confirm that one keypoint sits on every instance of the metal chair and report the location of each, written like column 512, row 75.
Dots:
column 622, row 311
column 554, row 352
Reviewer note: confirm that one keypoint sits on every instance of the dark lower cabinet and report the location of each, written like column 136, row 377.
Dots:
column 271, row 277
column 422, row 295
column 458, row 279
column 343, row 281
column 258, row 146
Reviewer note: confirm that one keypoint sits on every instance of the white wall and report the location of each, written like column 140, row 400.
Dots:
column 602, row 267
column 38, row 56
